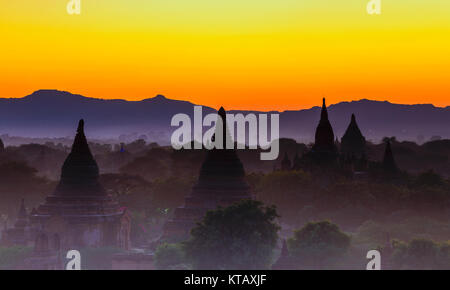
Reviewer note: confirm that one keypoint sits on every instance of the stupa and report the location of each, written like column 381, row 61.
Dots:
column 324, row 137
column 324, row 152
column 220, row 183
column 353, row 143
column 80, row 213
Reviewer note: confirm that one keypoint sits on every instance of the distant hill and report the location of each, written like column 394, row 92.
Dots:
column 51, row 113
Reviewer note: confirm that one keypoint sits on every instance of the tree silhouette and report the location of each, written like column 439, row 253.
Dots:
column 318, row 244
column 241, row 236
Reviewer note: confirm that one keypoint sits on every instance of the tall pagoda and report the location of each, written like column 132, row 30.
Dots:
column 353, row 143
column 220, row 183
column 80, row 213
column 324, row 152
column 324, row 137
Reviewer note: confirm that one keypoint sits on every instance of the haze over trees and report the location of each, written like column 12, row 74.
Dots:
column 318, row 244
column 241, row 236
column 151, row 181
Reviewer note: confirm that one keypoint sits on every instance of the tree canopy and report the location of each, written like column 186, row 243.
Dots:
column 241, row 236
column 318, row 243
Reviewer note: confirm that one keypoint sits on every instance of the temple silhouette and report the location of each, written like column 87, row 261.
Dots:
column 323, row 153
column 353, row 143
column 346, row 157
column 79, row 210
column 78, row 214
column 220, row 183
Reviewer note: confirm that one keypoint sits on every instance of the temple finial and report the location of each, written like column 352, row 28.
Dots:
column 80, row 129
column 324, row 113
column 225, row 134
column 324, row 138
column 353, row 141
column 222, row 113
column 79, row 170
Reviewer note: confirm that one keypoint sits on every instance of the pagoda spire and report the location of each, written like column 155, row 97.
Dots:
column 223, row 117
column 324, row 112
column 222, row 113
column 222, row 162
column 80, row 145
column 353, row 142
column 79, row 173
column 324, row 138
column 227, row 140
column 221, row 182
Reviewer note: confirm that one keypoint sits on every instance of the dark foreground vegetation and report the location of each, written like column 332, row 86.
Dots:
column 407, row 214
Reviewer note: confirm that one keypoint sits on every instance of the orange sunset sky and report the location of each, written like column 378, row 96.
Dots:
column 243, row 54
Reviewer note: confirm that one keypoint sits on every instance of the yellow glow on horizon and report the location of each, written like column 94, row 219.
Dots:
column 246, row 54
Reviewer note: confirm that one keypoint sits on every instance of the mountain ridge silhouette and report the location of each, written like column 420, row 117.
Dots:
column 52, row 113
